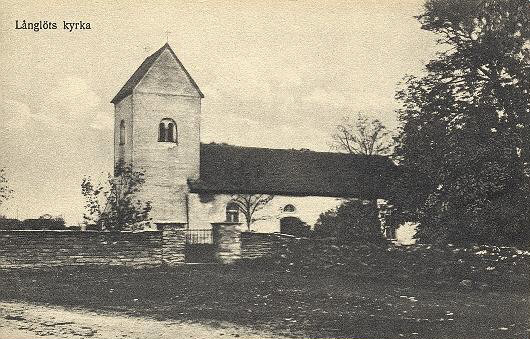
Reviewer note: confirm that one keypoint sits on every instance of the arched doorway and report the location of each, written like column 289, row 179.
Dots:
column 294, row 226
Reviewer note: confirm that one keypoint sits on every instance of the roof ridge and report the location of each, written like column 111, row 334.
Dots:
column 290, row 149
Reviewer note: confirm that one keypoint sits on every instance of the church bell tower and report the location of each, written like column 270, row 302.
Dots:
column 156, row 130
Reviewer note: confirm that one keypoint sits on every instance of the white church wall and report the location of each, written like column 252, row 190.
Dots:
column 307, row 209
column 212, row 208
column 206, row 209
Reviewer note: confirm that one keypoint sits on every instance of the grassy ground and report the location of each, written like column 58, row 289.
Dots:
column 291, row 297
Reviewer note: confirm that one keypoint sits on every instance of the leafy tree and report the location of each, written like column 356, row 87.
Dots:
column 5, row 191
column 466, row 124
column 55, row 222
column 249, row 204
column 113, row 206
column 362, row 136
column 351, row 221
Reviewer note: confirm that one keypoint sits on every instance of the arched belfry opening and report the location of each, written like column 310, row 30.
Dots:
column 167, row 131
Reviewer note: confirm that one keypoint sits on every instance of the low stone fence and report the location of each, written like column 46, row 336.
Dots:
column 256, row 245
column 48, row 248
column 44, row 248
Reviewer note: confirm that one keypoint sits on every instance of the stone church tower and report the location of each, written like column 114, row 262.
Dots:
column 156, row 130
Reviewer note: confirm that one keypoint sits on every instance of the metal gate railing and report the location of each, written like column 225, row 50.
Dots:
column 199, row 236
column 200, row 247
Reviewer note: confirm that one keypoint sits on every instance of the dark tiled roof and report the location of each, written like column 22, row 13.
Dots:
column 234, row 169
column 142, row 70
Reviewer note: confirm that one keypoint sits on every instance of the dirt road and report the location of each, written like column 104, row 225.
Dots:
column 27, row 321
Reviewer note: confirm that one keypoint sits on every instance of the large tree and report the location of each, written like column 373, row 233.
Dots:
column 466, row 124
column 362, row 135
column 114, row 205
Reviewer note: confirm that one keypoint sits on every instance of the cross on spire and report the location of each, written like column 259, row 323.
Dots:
column 167, row 36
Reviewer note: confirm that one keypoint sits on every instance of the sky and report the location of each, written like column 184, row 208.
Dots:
column 278, row 74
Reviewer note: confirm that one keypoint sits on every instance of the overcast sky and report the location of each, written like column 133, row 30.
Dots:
column 276, row 74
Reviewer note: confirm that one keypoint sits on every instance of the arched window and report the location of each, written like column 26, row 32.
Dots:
column 167, row 131
column 122, row 132
column 289, row 208
column 232, row 212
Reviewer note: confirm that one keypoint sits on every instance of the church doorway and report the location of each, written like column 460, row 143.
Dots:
column 294, row 226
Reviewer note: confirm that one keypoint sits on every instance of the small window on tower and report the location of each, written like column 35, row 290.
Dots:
column 167, row 131
column 289, row 208
column 122, row 132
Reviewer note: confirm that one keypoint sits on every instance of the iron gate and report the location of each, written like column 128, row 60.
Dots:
column 200, row 246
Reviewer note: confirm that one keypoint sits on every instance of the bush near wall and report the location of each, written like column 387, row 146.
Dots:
column 354, row 220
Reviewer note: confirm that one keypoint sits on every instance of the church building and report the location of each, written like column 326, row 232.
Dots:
column 192, row 185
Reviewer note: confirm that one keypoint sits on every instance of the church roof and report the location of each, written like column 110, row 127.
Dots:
column 235, row 169
column 144, row 68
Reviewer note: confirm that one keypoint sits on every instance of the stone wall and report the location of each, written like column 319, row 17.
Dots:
column 48, row 248
column 256, row 245
column 38, row 249
column 173, row 245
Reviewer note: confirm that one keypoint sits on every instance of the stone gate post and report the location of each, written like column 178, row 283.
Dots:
column 173, row 244
column 227, row 238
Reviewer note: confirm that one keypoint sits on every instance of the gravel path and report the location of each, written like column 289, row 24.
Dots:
column 26, row 321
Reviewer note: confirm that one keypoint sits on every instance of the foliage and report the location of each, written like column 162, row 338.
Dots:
column 114, row 206
column 249, row 204
column 57, row 221
column 5, row 191
column 362, row 136
column 351, row 221
column 46, row 223
column 466, row 124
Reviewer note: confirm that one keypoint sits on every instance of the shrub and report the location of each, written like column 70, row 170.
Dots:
column 354, row 220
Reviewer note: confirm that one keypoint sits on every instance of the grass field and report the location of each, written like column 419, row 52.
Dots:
column 293, row 298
